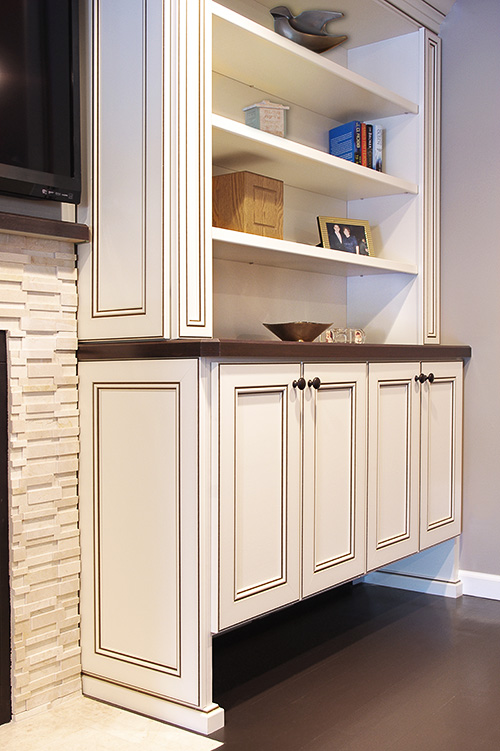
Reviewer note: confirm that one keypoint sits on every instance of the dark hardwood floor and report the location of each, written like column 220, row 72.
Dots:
column 363, row 668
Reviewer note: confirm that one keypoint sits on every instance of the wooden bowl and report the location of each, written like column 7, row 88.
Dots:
column 297, row 331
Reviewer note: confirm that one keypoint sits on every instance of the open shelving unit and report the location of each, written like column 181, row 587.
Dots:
column 256, row 56
column 284, row 69
column 235, row 145
column 267, row 251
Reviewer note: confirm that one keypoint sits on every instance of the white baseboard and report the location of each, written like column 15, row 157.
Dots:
column 415, row 583
column 478, row 584
column 203, row 721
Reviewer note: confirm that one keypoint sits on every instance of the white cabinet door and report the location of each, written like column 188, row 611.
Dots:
column 334, row 466
column 139, row 530
column 148, row 270
column 121, row 273
column 259, row 489
column 441, row 453
column 393, row 462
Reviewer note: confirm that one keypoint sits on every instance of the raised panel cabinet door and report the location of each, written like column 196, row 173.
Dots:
column 441, row 453
column 139, row 531
column 122, row 272
column 334, row 467
column 259, row 489
column 393, row 462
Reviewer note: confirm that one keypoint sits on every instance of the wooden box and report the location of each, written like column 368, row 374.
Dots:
column 248, row 202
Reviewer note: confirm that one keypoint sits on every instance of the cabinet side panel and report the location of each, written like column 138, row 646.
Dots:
column 137, row 531
column 139, row 520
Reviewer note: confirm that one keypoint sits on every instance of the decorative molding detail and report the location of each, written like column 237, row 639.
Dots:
column 205, row 720
column 416, row 584
column 350, row 554
column 431, row 192
column 477, row 584
column 405, row 534
column 121, row 276
column 100, row 648
column 425, row 13
column 281, row 578
column 193, row 97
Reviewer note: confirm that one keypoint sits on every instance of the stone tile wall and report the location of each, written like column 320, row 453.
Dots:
column 38, row 305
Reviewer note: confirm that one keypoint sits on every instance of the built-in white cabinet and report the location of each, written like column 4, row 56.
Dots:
column 167, row 82
column 298, row 499
column 217, row 486
column 221, row 479
column 414, row 457
column 291, row 469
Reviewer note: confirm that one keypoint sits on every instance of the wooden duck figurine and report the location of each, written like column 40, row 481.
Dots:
column 308, row 28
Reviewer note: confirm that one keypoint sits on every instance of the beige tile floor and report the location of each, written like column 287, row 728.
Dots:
column 81, row 724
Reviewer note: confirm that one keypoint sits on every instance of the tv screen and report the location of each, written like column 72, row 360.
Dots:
column 39, row 100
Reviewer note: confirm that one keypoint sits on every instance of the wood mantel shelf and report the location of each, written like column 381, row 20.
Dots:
column 267, row 349
column 54, row 229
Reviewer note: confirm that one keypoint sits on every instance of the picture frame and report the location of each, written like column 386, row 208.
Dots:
column 348, row 235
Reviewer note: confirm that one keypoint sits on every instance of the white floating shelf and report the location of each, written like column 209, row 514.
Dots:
column 236, row 146
column 248, row 52
column 267, row 251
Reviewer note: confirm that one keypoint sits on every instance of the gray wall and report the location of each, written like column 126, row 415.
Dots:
column 471, row 257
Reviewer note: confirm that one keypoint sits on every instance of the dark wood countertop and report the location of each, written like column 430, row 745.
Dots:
column 17, row 224
column 267, row 350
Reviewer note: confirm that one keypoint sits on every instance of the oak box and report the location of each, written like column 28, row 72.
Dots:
column 248, row 202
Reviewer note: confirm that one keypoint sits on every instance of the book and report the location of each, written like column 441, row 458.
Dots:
column 364, row 161
column 377, row 148
column 358, row 142
column 369, row 144
column 345, row 141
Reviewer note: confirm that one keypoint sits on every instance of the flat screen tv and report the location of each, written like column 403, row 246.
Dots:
column 39, row 100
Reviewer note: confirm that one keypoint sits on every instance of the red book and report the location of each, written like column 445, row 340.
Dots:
column 364, row 149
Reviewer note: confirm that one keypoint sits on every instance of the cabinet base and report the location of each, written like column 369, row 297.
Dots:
column 414, row 583
column 203, row 721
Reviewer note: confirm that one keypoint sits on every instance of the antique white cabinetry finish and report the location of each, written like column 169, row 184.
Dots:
column 415, row 458
column 291, row 517
column 157, row 134
column 148, row 270
column 167, row 80
column 144, row 627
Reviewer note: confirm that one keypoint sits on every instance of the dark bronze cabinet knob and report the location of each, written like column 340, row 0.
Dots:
column 422, row 378
column 300, row 383
column 316, row 383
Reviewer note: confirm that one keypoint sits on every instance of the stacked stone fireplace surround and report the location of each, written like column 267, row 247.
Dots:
column 38, row 307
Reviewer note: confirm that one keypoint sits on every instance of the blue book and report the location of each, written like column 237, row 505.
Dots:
column 345, row 141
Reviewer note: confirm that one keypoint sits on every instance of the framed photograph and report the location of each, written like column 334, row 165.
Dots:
column 350, row 235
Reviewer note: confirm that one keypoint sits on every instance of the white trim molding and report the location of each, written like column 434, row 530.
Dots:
column 477, row 584
column 439, row 587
